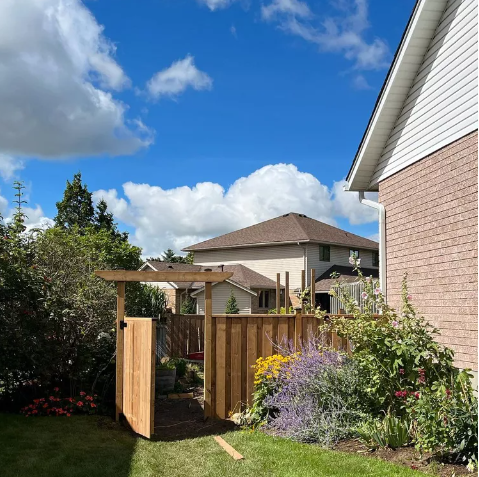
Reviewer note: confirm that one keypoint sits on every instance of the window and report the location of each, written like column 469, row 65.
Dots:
column 263, row 299
column 375, row 259
column 324, row 253
column 354, row 252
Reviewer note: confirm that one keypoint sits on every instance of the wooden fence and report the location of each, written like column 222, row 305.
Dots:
column 237, row 341
column 185, row 334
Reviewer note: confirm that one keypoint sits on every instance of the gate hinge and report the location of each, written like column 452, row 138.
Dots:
column 123, row 324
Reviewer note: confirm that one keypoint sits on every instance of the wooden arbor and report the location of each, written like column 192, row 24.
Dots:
column 141, row 389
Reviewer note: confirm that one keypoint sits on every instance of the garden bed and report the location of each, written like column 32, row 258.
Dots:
column 406, row 456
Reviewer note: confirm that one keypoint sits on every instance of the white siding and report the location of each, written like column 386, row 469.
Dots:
column 265, row 260
column 220, row 294
column 338, row 256
column 441, row 106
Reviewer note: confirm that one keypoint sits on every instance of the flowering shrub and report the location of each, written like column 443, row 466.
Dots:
column 397, row 354
column 445, row 419
column 54, row 405
column 315, row 397
column 266, row 383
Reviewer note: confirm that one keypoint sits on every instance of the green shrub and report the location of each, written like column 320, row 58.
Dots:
column 390, row 431
column 282, row 311
column 188, row 307
column 445, row 419
column 180, row 364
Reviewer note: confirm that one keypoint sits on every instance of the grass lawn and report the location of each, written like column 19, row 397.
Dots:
column 91, row 446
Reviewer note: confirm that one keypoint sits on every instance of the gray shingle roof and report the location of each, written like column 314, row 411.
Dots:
column 347, row 275
column 242, row 275
column 290, row 227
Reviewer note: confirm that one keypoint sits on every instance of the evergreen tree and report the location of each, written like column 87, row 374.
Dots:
column 76, row 208
column 188, row 306
column 232, row 305
column 104, row 221
column 169, row 256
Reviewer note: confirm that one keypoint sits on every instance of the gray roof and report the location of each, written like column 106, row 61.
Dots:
column 242, row 275
column 288, row 228
column 347, row 275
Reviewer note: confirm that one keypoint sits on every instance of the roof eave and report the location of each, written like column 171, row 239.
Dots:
column 363, row 183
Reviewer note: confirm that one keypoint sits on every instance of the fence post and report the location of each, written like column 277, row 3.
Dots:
column 120, row 316
column 298, row 328
column 278, row 293
column 209, row 357
column 286, row 292
column 303, row 286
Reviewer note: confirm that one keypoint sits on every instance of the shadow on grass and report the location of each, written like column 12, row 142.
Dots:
column 182, row 419
column 61, row 446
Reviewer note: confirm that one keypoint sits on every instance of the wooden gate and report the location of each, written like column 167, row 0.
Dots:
column 139, row 374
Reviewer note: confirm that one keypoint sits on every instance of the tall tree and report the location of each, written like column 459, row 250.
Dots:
column 232, row 305
column 103, row 220
column 76, row 208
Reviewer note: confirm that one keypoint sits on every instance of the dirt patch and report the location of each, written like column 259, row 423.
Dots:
column 178, row 419
column 406, row 456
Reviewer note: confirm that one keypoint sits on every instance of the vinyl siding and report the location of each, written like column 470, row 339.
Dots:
column 268, row 260
column 431, row 233
column 441, row 106
column 220, row 294
column 338, row 256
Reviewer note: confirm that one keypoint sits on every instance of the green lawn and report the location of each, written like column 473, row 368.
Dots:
column 90, row 446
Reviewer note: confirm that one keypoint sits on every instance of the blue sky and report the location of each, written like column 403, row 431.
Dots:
column 255, row 84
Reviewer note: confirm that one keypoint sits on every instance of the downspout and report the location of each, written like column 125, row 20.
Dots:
column 382, row 239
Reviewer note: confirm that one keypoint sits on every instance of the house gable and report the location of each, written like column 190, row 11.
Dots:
column 429, row 98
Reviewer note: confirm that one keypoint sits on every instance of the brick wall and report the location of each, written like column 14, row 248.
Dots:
column 431, row 232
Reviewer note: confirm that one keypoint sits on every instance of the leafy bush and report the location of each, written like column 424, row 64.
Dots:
column 390, row 431
column 180, row 364
column 282, row 311
column 445, row 419
column 314, row 396
column 393, row 352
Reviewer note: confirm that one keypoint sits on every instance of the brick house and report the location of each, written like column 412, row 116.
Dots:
column 419, row 152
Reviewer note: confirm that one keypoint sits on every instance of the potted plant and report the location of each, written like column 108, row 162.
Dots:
column 165, row 376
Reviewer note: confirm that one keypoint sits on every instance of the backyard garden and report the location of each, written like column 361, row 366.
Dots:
column 394, row 404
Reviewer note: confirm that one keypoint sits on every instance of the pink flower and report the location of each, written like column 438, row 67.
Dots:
column 351, row 260
column 377, row 291
column 364, row 295
column 395, row 324
column 79, row 404
column 409, row 297
column 401, row 371
column 56, row 389
column 82, row 393
column 368, row 279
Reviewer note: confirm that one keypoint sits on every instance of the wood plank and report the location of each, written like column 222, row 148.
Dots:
column 221, row 367
column 244, row 363
column 252, row 355
column 152, row 375
column 283, row 332
column 230, row 450
column 180, row 396
column 312, row 288
column 267, row 336
column 209, row 354
column 120, row 315
column 278, row 293
column 286, row 292
column 236, row 365
column 303, row 286
column 228, row 366
column 298, row 330
column 136, row 276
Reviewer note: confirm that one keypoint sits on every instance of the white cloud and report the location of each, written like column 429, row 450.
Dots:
column 361, row 83
column 175, row 218
column 285, row 7
column 343, row 33
column 347, row 205
column 56, row 72
column 374, row 237
column 216, row 4
column 177, row 78
column 233, row 31
column 9, row 166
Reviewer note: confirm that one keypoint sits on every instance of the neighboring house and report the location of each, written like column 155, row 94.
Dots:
column 254, row 292
column 289, row 243
column 346, row 276
column 420, row 152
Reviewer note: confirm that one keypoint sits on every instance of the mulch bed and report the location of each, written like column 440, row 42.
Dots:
column 178, row 419
column 406, row 456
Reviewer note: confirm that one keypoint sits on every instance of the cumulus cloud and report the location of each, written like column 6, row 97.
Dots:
column 57, row 74
column 343, row 33
column 9, row 166
column 175, row 218
column 175, row 79
column 216, row 4
column 361, row 83
column 347, row 205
